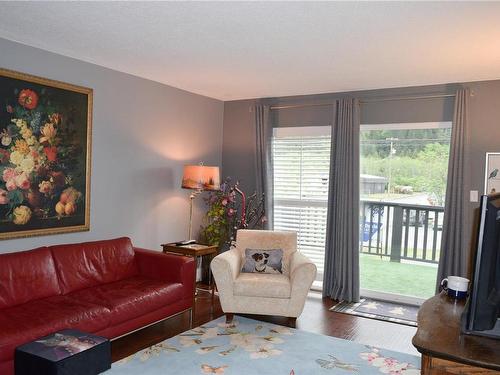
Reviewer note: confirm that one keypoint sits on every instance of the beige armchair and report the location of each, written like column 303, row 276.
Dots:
column 258, row 293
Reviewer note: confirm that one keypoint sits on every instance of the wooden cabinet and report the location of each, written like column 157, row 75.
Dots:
column 445, row 350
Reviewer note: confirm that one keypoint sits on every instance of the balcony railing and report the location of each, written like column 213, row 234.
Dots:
column 401, row 231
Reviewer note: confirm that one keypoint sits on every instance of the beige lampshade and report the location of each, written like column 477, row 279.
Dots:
column 201, row 177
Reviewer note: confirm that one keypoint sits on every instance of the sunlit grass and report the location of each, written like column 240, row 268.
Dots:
column 382, row 275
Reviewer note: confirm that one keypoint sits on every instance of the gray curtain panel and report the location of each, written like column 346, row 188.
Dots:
column 264, row 161
column 341, row 278
column 455, row 242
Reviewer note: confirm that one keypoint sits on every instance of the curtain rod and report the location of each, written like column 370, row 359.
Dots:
column 374, row 100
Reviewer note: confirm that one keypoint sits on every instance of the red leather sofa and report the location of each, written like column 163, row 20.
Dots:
column 106, row 287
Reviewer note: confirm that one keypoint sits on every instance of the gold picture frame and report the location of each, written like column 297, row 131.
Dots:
column 45, row 156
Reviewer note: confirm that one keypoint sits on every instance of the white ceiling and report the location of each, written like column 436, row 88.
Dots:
column 258, row 49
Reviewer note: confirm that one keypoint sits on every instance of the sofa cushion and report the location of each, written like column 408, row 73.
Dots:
column 262, row 285
column 26, row 276
column 130, row 298
column 88, row 264
column 23, row 323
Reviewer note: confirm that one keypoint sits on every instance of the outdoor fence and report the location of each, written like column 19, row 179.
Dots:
column 401, row 231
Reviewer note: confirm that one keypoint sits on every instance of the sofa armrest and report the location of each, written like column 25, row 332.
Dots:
column 167, row 267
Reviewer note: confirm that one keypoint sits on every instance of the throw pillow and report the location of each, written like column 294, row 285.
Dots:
column 263, row 261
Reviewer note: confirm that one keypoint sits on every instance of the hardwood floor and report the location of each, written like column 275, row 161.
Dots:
column 315, row 318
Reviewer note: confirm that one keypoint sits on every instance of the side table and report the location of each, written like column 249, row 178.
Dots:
column 195, row 251
column 68, row 351
column 445, row 349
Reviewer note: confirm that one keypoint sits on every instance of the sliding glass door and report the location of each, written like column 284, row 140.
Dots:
column 402, row 187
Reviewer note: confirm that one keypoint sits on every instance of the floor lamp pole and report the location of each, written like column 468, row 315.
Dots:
column 192, row 196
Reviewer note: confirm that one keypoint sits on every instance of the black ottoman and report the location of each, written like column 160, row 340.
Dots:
column 67, row 352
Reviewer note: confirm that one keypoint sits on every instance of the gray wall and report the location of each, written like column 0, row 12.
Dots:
column 238, row 145
column 143, row 134
column 238, row 152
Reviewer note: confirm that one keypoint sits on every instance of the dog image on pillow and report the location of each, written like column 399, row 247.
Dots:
column 263, row 261
column 261, row 265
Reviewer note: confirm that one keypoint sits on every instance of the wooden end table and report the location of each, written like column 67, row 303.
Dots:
column 195, row 251
column 445, row 350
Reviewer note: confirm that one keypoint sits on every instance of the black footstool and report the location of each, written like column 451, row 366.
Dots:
column 67, row 352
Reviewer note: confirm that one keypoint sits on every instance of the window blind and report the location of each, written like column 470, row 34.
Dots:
column 301, row 170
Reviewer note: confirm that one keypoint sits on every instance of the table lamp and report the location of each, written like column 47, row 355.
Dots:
column 199, row 178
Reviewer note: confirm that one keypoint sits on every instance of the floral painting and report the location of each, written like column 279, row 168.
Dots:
column 45, row 129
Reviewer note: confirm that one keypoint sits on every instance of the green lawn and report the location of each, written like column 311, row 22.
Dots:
column 399, row 278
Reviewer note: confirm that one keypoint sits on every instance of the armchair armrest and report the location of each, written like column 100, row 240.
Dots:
column 226, row 268
column 302, row 274
column 167, row 267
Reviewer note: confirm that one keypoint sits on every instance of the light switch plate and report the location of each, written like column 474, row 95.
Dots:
column 474, row 197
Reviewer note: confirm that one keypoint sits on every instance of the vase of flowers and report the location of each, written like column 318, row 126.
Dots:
column 229, row 209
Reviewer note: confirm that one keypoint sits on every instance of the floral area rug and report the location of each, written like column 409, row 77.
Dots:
column 249, row 347
column 380, row 310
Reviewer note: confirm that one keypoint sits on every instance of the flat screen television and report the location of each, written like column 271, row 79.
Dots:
column 482, row 312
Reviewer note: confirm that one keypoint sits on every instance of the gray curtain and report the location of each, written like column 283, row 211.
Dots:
column 455, row 244
column 264, row 165
column 341, row 278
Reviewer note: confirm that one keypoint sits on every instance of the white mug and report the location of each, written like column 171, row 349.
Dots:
column 456, row 286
